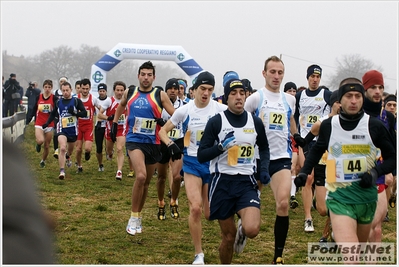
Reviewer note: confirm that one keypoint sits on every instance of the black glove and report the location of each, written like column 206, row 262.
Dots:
column 299, row 140
column 114, row 131
column 300, row 179
column 71, row 110
column 160, row 121
column 369, row 178
column 44, row 126
column 265, row 178
column 111, row 118
column 174, row 151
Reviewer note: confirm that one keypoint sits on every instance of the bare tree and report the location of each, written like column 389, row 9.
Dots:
column 353, row 65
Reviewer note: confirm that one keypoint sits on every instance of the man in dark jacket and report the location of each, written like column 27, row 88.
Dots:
column 32, row 93
column 10, row 95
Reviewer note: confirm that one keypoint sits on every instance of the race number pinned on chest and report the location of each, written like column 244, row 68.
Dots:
column 174, row 134
column 311, row 119
column 45, row 108
column 198, row 136
column 121, row 119
column 276, row 121
column 68, row 122
column 242, row 154
column 144, row 126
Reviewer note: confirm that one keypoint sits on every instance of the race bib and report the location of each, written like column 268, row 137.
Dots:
column 45, row 108
column 198, row 136
column 68, row 122
column 121, row 120
column 174, row 134
column 276, row 121
column 144, row 126
column 311, row 119
column 242, row 154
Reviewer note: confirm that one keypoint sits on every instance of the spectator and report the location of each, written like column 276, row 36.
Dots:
column 31, row 93
column 10, row 95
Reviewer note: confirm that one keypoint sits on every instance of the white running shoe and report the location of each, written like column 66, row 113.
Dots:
column 199, row 259
column 241, row 239
column 132, row 226
column 309, row 226
column 139, row 228
column 118, row 175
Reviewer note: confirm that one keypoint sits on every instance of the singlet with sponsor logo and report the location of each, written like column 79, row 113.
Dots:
column 311, row 109
column 275, row 115
column 177, row 132
column 67, row 123
column 352, row 153
column 239, row 159
column 89, row 105
column 194, row 120
column 143, row 108
column 44, row 108
column 105, row 104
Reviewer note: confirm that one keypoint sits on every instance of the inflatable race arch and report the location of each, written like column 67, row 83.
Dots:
column 123, row 51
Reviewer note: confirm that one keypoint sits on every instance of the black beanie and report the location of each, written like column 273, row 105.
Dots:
column 231, row 85
column 102, row 86
column 204, row 78
column 172, row 83
column 313, row 69
column 389, row 98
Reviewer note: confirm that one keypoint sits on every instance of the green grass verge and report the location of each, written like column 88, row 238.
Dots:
column 91, row 210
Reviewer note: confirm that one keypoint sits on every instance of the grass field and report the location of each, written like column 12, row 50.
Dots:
column 91, row 210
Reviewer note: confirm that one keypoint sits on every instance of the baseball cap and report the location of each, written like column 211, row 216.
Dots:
column 102, row 86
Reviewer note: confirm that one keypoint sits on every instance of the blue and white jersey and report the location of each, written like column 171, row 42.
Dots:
column 194, row 120
column 177, row 132
column 67, row 123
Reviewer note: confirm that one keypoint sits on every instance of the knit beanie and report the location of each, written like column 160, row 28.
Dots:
column 372, row 77
column 313, row 69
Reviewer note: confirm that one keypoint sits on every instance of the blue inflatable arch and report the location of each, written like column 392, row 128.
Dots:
column 123, row 51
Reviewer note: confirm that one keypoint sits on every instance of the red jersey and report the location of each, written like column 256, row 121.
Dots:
column 44, row 108
column 121, row 121
column 90, row 108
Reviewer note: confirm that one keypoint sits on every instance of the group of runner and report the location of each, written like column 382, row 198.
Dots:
column 228, row 149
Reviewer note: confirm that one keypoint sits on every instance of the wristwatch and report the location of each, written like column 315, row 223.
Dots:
column 220, row 147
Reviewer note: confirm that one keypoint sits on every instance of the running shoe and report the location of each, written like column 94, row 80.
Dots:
column 108, row 157
column 240, row 240
column 131, row 226
column 38, row 148
column 309, row 226
column 69, row 163
column 386, row 219
column 42, row 164
column 101, row 168
column 161, row 213
column 139, row 228
column 182, row 182
column 278, row 261
column 56, row 153
column 199, row 259
column 118, row 175
column 80, row 170
column 130, row 174
column 61, row 176
column 392, row 201
column 87, row 156
column 293, row 202
column 174, row 211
